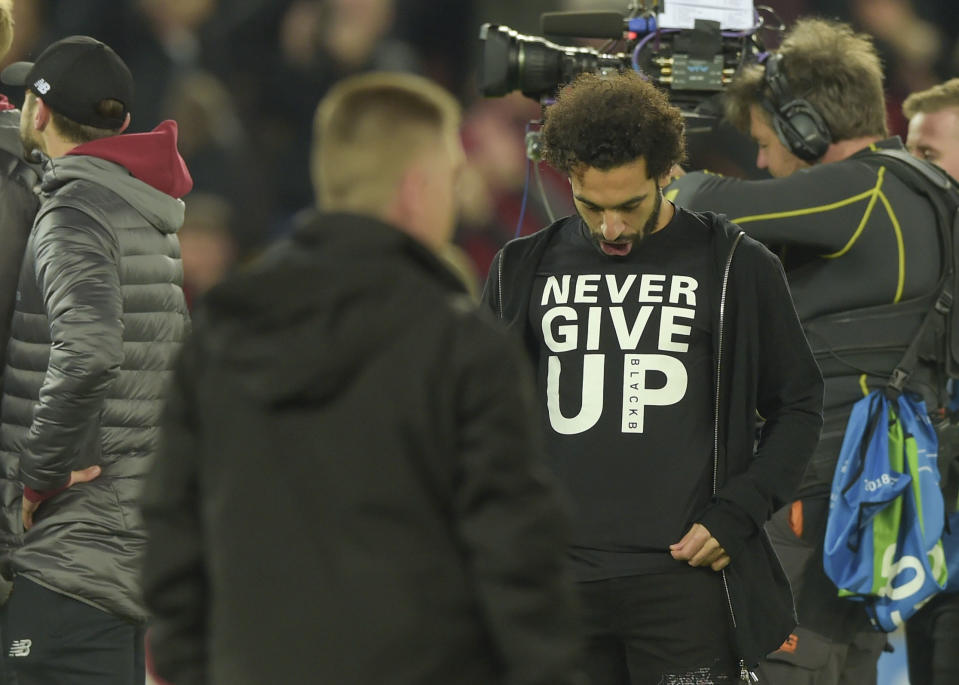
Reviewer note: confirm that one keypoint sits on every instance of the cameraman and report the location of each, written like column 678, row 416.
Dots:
column 851, row 235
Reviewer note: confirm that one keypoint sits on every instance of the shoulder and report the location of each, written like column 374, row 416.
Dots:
column 521, row 254
column 748, row 254
column 528, row 243
column 77, row 197
column 73, row 227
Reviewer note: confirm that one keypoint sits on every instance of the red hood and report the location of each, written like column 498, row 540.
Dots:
column 151, row 157
column 5, row 104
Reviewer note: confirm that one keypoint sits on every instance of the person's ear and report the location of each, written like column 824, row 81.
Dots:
column 126, row 122
column 41, row 115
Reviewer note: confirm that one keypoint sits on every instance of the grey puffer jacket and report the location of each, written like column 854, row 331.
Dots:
column 99, row 319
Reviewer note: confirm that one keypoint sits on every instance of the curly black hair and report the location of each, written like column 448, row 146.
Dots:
column 606, row 121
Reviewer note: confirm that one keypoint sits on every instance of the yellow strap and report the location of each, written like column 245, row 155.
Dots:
column 899, row 246
column 865, row 217
column 806, row 210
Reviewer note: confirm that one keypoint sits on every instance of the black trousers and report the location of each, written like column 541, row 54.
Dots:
column 932, row 642
column 659, row 629
column 52, row 639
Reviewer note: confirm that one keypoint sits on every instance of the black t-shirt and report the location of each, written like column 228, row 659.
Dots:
column 625, row 372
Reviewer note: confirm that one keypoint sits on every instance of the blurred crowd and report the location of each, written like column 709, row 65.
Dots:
column 242, row 79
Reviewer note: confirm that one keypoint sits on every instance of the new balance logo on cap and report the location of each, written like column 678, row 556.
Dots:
column 42, row 87
column 20, row 647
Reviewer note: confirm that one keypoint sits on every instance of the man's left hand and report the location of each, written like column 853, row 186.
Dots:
column 700, row 548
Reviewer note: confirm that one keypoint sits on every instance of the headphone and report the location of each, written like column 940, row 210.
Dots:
column 796, row 122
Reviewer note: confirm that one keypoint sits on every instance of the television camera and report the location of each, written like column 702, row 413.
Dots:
column 690, row 49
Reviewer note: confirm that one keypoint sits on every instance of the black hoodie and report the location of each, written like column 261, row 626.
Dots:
column 359, row 496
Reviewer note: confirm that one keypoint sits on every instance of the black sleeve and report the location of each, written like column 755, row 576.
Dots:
column 175, row 582
column 510, row 518
column 820, row 208
column 789, row 398
column 78, row 274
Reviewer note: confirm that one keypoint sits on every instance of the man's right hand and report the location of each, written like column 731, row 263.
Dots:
column 29, row 507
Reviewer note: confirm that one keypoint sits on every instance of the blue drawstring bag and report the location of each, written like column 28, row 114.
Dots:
column 886, row 511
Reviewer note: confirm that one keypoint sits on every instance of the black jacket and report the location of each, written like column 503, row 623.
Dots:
column 350, row 489
column 763, row 365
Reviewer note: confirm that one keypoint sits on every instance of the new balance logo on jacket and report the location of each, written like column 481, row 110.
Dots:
column 20, row 647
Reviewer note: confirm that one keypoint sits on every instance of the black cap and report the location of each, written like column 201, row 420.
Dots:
column 73, row 76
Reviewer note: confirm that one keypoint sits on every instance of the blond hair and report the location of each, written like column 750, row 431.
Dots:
column 367, row 132
column 6, row 27
column 835, row 69
column 932, row 99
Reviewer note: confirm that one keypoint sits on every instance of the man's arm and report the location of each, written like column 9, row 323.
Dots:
column 820, row 208
column 509, row 516
column 174, row 574
column 77, row 265
column 789, row 398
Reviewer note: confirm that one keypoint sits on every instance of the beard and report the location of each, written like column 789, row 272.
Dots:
column 29, row 138
column 31, row 147
column 638, row 237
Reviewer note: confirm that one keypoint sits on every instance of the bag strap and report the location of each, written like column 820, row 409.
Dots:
column 900, row 375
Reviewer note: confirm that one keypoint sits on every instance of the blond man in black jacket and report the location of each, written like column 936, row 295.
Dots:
column 351, row 488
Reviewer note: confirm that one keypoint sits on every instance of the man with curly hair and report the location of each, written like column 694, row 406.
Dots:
column 649, row 328
column 859, row 244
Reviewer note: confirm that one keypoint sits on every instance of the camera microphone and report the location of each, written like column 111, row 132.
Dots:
column 610, row 25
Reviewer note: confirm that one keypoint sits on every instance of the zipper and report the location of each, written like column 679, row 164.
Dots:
column 745, row 675
column 499, row 283
column 719, row 366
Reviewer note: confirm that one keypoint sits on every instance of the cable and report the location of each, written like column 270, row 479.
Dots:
column 542, row 193
column 522, row 209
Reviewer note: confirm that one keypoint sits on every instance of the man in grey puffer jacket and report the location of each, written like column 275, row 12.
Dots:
column 99, row 318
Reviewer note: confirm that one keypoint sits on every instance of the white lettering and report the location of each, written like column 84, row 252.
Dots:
column 651, row 288
column 672, row 391
column 586, row 287
column 685, row 286
column 890, row 571
column 560, row 293
column 618, row 295
column 592, row 328
column 629, row 337
column 668, row 328
column 566, row 335
column 592, row 398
